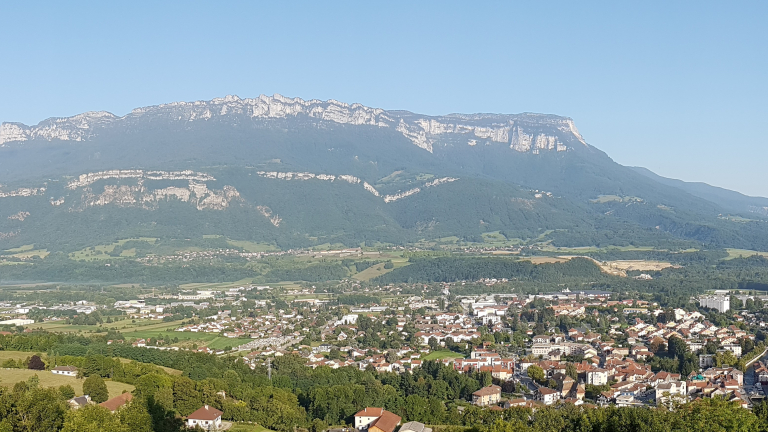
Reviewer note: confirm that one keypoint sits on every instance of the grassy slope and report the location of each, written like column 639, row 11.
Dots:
column 10, row 377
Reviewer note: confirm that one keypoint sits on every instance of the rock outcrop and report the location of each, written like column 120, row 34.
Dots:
column 532, row 133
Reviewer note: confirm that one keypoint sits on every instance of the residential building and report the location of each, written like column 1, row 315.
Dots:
column 486, row 396
column 720, row 302
column 597, row 376
column 547, row 395
column 65, row 370
column 206, row 417
column 116, row 402
column 376, row 420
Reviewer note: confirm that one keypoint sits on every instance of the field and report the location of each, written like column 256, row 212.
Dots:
column 546, row 259
column 26, row 251
column 143, row 329
column 620, row 268
column 736, row 253
column 9, row 377
column 592, row 249
column 15, row 355
column 249, row 246
column 440, row 355
column 101, row 252
column 378, row 269
column 155, row 329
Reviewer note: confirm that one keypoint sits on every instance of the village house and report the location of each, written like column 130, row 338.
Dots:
column 116, row 402
column 547, row 396
column 376, row 420
column 206, row 417
column 65, row 370
column 486, row 396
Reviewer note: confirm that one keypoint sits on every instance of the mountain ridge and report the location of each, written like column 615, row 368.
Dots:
column 416, row 127
column 727, row 198
column 302, row 170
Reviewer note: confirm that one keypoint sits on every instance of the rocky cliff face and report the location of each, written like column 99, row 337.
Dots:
column 527, row 133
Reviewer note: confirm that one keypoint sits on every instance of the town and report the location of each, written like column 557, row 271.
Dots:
column 585, row 347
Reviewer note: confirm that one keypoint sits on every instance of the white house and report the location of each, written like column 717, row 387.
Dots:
column 206, row 417
column 675, row 390
column 65, row 370
column 597, row 377
column 547, row 395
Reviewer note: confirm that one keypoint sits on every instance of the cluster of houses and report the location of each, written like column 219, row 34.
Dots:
column 262, row 327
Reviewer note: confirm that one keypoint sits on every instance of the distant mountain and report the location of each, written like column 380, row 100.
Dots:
column 296, row 173
column 730, row 200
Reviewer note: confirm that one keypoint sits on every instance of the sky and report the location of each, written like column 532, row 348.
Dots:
column 677, row 87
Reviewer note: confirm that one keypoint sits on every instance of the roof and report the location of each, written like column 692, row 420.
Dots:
column 414, row 426
column 370, row 412
column 205, row 413
column 117, row 402
column 545, row 390
column 488, row 391
column 65, row 368
column 387, row 422
column 81, row 400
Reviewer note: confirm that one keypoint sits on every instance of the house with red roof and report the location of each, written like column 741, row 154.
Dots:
column 376, row 420
column 206, row 417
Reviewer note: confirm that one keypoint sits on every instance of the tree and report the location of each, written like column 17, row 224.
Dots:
column 570, row 370
column 185, row 398
column 536, row 373
column 33, row 382
column 36, row 363
column 95, row 387
column 135, row 416
column 39, row 410
column 677, row 347
column 334, row 354
column 92, row 418
column 67, row 392
column 711, row 346
column 434, row 345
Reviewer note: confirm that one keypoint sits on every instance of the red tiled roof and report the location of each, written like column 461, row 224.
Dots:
column 205, row 413
column 387, row 422
column 117, row 402
column 488, row 391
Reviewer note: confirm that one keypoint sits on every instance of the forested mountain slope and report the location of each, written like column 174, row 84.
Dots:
column 297, row 173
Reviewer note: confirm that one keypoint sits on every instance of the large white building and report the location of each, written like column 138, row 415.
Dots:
column 720, row 302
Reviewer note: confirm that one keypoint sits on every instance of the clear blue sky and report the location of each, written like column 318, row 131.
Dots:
column 678, row 87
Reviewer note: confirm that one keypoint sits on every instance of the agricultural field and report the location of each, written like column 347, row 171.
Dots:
column 736, row 253
column 101, row 252
column 546, row 259
column 26, row 252
column 378, row 269
column 143, row 329
column 592, row 249
column 250, row 246
column 9, row 377
column 186, row 339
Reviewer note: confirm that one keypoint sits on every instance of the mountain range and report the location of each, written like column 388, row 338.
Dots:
column 297, row 173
